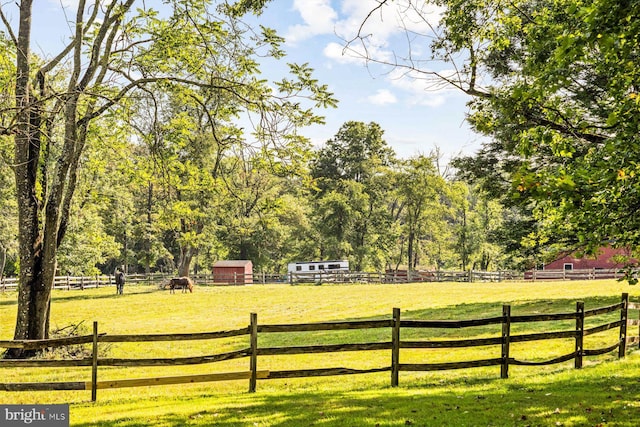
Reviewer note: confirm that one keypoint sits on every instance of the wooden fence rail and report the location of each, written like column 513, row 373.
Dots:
column 86, row 282
column 395, row 345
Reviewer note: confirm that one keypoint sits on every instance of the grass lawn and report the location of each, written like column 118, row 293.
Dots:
column 605, row 392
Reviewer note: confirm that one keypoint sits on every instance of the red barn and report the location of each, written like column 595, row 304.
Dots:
column 605, row 260
column 233, row 272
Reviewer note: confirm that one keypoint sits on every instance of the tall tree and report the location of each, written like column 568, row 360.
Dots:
column 421, row 190
column 352, row 175
column 555, row 85
column 257, row 223
column 8, row 222
column 100, row 216
column 8, row 229
column 116, row 50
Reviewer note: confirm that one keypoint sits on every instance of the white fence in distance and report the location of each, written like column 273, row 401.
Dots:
column 402, row 276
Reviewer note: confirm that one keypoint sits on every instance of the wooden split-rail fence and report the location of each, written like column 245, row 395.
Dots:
column 394, row 345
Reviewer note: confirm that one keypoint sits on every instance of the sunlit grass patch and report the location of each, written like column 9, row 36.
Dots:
column 531, row 396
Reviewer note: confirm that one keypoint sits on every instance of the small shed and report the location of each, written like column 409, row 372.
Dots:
column 233, row 272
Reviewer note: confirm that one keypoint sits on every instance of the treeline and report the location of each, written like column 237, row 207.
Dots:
column 174, row 199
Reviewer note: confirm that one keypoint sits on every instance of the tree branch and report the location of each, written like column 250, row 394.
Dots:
column 5, row 21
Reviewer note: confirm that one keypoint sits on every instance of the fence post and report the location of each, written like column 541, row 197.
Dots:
column 94, row 364
column 395, row 348
column 506, row 339
column 253, row 357
column 624, row 313
column 638, row 329
column 579, row 333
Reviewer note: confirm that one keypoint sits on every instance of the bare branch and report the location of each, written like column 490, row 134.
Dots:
column 5, row 21
column 56, row 60
column 358, row 35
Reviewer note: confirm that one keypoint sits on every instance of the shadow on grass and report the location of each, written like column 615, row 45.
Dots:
column 128, row 293
column 538, row 306
column 79, row 295
column 471, row 311
column 602, row 396
column 595, row 396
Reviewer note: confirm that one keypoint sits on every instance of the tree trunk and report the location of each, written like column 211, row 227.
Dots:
column 3, row 262
column 410, row 240
column 186, row 255
column 464, row 256
column 186, row 249
column 147, row 241
column 39, row 235
column 33, row 294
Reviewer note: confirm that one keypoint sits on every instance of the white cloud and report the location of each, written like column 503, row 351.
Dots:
column 383, row 97
column 378, row 34
column 70, row 4
column 428, row 100
column 423, row 89
column 353, row 54
column 376, row 25
column 336, row 52
column 318, row 16
column 379, row 25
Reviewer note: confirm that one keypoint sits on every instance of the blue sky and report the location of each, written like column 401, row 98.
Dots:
column 415, row 119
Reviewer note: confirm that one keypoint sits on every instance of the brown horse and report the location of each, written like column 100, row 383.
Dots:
column 180, row 282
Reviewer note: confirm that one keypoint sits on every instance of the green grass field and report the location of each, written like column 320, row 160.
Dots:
column 605, row 392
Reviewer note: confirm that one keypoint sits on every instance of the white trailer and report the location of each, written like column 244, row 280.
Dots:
column 318, row 266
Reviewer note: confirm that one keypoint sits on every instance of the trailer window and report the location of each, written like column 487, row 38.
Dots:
column 321, row 267
column 298, row 268
column 312, row 267
column 333, row 266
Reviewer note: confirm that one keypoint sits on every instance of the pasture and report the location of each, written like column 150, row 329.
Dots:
column 604, row 392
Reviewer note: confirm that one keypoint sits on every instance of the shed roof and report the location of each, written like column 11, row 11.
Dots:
column 233, row 263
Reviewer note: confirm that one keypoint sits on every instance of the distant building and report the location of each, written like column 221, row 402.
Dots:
column 233, row 272
column 605, row 259
column 318, row 271
column 318, row 266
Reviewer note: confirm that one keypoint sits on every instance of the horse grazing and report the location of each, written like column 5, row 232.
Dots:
column 180, row 282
